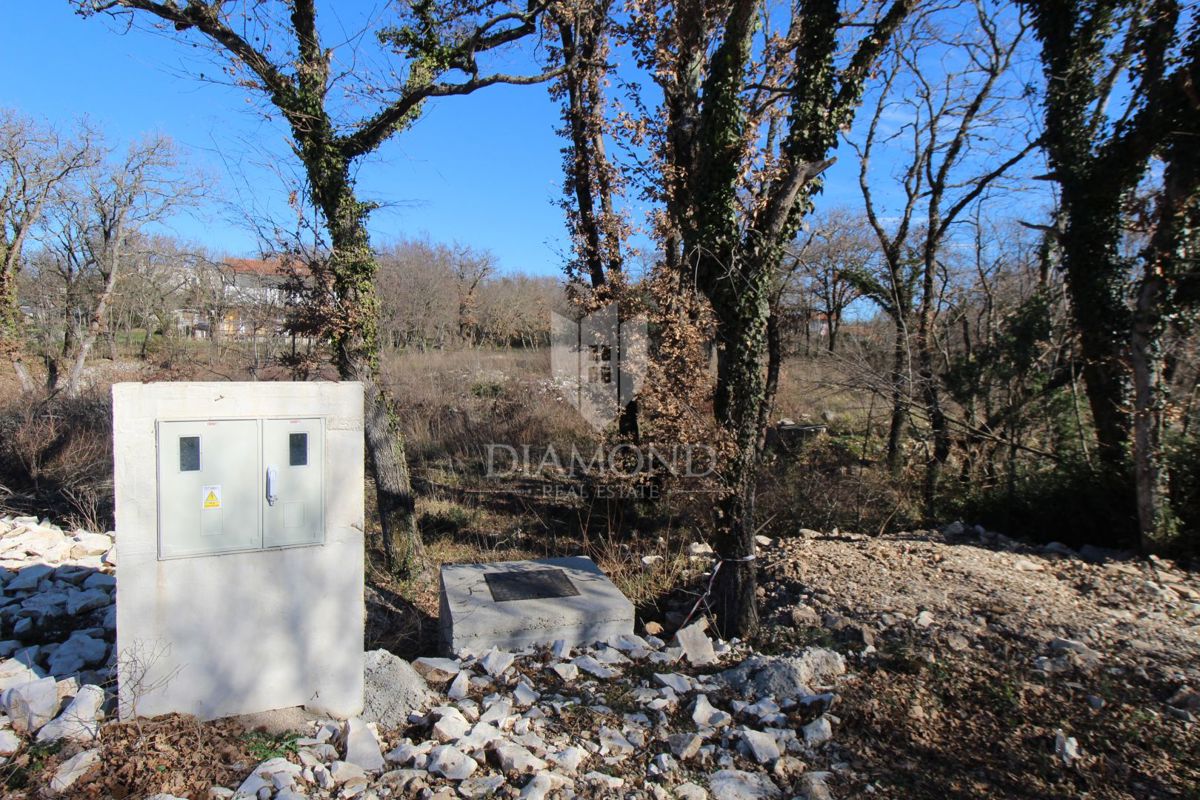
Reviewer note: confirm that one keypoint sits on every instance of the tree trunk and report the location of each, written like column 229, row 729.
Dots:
column 95, row 323
column 10, row 330
column 930, row 394
column 356, row 352
column 1146, row 358
column 1094, row 278
column 739, row 404
column 896, row 431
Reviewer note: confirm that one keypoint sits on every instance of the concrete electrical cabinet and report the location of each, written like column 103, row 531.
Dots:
column 240, row 547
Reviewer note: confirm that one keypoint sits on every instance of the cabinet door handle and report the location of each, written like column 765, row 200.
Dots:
column 271, row 478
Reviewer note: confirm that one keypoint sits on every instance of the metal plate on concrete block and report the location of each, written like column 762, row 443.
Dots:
column 475, row 617
column 533, row 585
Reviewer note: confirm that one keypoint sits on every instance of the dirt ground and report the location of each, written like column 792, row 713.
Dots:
column 966, row 699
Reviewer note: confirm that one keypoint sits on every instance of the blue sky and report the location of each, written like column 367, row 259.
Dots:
column 483, row 170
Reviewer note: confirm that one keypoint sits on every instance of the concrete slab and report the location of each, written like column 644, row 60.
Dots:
column 571, row 600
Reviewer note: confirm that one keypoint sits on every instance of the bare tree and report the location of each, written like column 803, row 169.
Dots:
column 837, row 247
column 34, row 162
column 592, row 181
column 275, row 50
column 95, row 227
column 955, row 144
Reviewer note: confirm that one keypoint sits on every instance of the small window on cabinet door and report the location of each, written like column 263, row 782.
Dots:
column 298, row 449
column 189, row 453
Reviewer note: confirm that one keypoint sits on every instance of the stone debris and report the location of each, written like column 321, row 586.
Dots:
column 736, row 784
column 31, row 705
column 1065, row 747
column 762, row 746
column 627, row 717
column 697, row 647
column 79, row 721
column 392, row 690
column 73, row 769
column 673, row 734
column 362, row 745
column 448, row 762
column 437, row 670
column 56, row 605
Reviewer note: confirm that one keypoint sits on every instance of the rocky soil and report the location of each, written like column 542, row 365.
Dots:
column 981, row 666
column 928, row 664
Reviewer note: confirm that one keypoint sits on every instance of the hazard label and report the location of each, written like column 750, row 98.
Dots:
column 211, row 497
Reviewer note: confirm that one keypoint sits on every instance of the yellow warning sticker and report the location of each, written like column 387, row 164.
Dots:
column 212, row 497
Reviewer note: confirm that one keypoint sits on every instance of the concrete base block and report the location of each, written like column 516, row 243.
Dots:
column 472, row 620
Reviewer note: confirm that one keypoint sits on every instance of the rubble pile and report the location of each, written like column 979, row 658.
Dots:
column 632, row 717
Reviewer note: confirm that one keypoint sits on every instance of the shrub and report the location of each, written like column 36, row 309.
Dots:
column 56, row 459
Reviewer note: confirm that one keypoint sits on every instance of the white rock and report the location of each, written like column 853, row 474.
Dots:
column 9, row 742
column 496, row 662
column 540, row 786
column 28, row 578
column 684, row 745
column 436, row 669
column 100, row 580
column 568, row 672
column 451, row 724
column 734, row 784
column 690, row 791
column 343, row 772
column 405, row 752
column 610, row 782
column 924, row 619
column 610, row 656
column 31, row 705
column 362, row 745
column 662, row 764
column 481, row 736
column 818, row 731
column 459, row 687
column 569, row 759
column 674, row 681
column 515, row 758
column 481, row 786
column 614, row 742
column 79, row 721
column 497, row 712
column 524, row 694
column 90, row 544
column 77, row 652
column 87, row 600
column 448, row 762
column 1065, row 747
column 704, row 715
column 762, row 746
column 593, row 667
column 699, row 549
column 73, row 769
column 697, row 647
column 14, row 673
column 264, row 776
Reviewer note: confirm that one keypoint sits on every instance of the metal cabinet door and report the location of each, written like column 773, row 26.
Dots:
column 293, row 464
column 208, row 487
